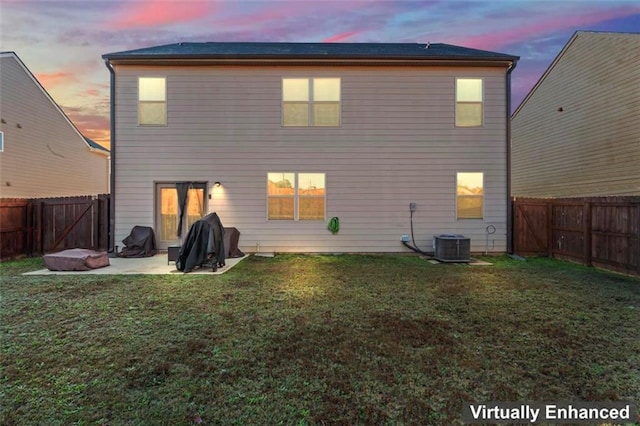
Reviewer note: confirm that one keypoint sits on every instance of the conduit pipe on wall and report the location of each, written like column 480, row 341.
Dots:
column 509, row 206
column 112, row 139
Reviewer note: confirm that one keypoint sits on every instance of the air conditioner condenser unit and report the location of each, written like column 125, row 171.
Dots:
column 452, row 248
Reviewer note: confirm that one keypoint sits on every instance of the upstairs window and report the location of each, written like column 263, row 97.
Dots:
column 1, row 141
column 152, row 101
column 311, row 102
column 469, row 195
column 469, row 108
column 296, row 196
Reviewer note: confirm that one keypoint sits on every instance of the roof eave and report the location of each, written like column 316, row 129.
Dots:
column 99, row 151
column 297, row 59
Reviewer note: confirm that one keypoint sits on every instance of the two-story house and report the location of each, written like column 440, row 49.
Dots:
column 278, row 138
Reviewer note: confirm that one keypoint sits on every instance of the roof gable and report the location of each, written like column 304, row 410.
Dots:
column 92, row 146
column 590, row 36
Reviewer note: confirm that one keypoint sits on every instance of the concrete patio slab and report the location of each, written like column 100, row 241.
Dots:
column 156, row 265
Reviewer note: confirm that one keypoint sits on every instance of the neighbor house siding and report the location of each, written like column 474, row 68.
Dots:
column 43, row 154
column 592, row 146
column 397, row 144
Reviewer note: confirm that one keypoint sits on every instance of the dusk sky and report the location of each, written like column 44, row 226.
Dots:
column 61, row 42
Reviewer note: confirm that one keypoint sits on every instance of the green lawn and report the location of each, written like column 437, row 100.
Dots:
column 313, row 340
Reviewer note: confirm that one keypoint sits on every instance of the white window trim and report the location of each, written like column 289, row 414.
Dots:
column 455, row 106
column 1, row 141
column 311, row 102
column 484, row 196
column 166, row 103
column 296, row 198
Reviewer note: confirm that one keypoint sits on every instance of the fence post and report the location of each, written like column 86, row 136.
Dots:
column 41, row 226
column 513, row 225
column 28, row 248
column 638, row 236
column 37, row 209
column 105, row 228
column 586, row 239
column 549, row 227
column 95, row 205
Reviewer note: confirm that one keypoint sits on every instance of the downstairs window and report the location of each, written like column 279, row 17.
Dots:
column 296, row 196
column 469, row 195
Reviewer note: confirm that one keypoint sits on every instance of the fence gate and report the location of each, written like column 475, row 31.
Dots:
column 530, row 227
column 65, row 223
column 44, row 225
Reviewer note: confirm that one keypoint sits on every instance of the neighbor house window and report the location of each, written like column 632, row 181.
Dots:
column 469, row 195
column 469, row 110
column 152, row 101
column 296, row 196
column 1, row 141
column 311, row 102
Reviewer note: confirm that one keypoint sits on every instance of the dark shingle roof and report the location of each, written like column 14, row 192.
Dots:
column 95, row 145
column 235, row 50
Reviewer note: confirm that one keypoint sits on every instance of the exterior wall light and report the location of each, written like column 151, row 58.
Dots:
column 217, row 184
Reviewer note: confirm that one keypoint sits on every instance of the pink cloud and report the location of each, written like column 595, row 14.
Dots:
column 340, row 37
column 49, row 80
column 496, row 40
column 100, row 136
column 153, row 13
column 92, row 125
column 92, row 92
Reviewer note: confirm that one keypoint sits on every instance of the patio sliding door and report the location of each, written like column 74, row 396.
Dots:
column 168, row 212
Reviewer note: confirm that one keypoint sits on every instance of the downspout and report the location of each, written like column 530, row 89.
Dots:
column 112, row 178
column 509, row 204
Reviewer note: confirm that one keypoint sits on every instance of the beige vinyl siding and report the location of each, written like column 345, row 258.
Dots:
column 45, row 157
column 397, row 144
column 592, row 147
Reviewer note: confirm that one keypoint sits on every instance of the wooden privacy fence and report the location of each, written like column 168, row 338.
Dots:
column 595, row 231
column 42, row 225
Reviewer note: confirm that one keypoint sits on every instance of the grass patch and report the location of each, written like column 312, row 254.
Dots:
column 313, row 340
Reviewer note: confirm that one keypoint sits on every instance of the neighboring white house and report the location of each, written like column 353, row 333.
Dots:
column 42, row 154
column 299, row 133
column 577, row 133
